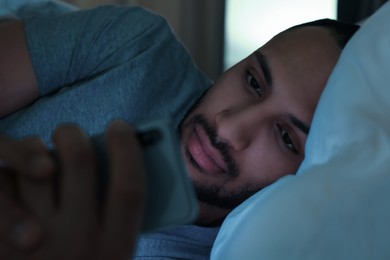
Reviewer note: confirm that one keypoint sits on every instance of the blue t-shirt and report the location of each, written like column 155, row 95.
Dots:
column 183, row 242
column 98, row 65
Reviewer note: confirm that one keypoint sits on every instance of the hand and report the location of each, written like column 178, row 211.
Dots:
column 74, row 225
column 19, row 230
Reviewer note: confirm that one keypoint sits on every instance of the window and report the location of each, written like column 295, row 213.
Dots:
column 251, row 23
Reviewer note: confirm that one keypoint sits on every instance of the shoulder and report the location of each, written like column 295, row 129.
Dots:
column 126, row 20
column 125, row 17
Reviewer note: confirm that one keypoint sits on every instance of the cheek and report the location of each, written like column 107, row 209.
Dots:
column 224, row 94
column 265, row 163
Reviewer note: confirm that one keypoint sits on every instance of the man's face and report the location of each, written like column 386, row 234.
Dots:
column 250, row 128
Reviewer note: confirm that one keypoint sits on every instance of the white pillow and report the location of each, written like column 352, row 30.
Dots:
column 338, row 204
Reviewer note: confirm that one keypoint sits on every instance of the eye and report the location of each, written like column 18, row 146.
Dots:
column 286, row 139
column 252, row 83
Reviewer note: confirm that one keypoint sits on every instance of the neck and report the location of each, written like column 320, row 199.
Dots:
column 211, row 216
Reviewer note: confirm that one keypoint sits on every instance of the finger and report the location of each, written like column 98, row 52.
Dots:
column 78, row 196
column 37, row 195
column 8, row 184
column 17, row 228
column 16, row 155
column 9, row 152
column 126, row 196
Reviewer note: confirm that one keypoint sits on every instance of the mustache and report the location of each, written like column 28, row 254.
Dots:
column 222, row 147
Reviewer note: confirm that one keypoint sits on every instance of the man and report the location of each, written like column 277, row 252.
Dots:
column 248, row 130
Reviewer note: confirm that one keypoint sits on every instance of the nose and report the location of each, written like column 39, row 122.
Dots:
column 237, row 127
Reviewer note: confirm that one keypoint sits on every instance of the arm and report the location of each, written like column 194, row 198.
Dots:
column 67, row 50
column 18, row 83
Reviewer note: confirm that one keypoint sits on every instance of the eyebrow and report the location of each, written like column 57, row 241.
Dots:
column 299, row 124
column 263, row 62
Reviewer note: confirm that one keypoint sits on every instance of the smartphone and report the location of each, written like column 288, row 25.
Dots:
column 171, row 198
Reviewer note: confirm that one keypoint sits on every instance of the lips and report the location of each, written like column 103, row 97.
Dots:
column 204, row 154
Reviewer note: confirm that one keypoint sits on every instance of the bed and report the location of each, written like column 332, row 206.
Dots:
column 338, row 204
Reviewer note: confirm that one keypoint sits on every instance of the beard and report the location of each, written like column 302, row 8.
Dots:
column 215, row 194
column 210, row 194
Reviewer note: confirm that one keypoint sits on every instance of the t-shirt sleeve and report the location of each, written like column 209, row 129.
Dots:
column 70, row 48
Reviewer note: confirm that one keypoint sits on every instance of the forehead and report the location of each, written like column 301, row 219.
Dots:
column 301, row 61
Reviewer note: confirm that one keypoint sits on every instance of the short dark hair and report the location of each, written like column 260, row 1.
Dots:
column 341, row 31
